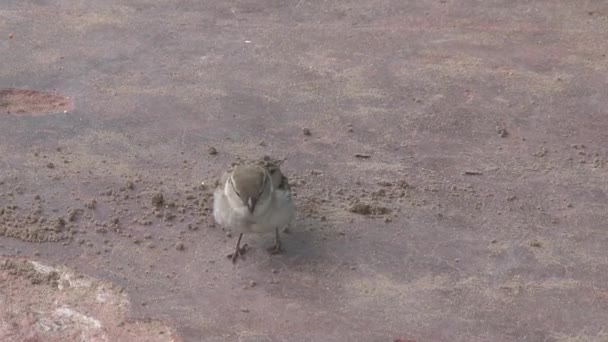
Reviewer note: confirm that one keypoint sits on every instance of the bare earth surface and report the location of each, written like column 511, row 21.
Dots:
column 452, row 181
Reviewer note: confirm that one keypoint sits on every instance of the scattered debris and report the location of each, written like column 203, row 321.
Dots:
column 91, row 204
column 74, row 214
column 502, row 132
column 368, row 209
column 158, row 200
column 541, row 153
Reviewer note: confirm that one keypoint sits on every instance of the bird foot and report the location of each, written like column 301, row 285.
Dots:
column 276, row 249
column 238, row 253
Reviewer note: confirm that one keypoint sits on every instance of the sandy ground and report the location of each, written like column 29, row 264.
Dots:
column 448, row 159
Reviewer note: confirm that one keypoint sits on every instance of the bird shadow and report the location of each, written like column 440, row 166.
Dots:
column 301, row 245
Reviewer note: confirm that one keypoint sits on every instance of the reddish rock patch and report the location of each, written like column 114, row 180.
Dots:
column 32, row 102
column 46, row 303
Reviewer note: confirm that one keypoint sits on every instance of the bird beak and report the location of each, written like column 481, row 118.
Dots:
column 251, row 204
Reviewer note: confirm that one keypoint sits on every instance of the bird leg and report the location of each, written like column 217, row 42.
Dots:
column 276, row 249
column 238, row 251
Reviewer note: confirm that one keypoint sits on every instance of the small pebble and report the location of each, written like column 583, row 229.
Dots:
column 306, row 131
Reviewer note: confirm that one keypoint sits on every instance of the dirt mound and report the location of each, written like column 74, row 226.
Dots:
column 33, row 226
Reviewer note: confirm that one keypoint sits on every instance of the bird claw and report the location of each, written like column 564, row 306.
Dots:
column 239, row 252
column 276, row 249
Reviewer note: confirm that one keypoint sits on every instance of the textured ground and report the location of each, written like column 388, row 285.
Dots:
column 453, row 186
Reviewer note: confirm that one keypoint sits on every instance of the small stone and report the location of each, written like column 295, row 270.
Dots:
column 306, row 131
column 50, row 165
column 245, row 310
column 502, row 132
column 252, row 283
column 212, row 151
column 180, row 246
column 158, row 200
column 228, row 234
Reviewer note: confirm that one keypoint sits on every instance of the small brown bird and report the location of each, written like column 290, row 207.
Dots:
column 253, row 198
